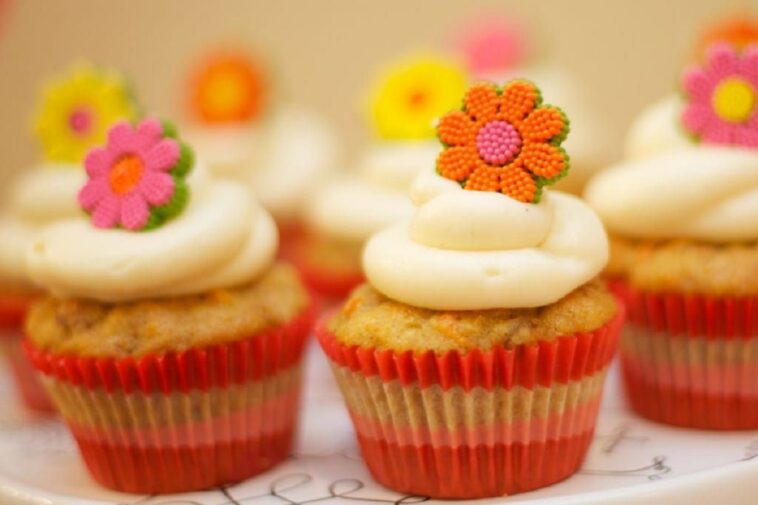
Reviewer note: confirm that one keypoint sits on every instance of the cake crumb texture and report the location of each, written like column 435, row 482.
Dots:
column 370, row 319
column 688, row 267
column 91, row 328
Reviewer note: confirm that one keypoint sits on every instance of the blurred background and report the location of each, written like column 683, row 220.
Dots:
column 626, row 54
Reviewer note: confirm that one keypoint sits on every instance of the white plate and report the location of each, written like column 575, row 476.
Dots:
column 631, row 461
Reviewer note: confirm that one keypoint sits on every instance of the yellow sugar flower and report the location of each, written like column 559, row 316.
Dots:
column 76, row 110
column 412, row 94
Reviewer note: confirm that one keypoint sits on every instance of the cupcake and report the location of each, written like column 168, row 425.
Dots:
column 171, row 340
column 473, row 360
column 344, row 212
column 72, row 115
column 279, row 150
column 682, row 212
column 498, row 49
column 739, row 29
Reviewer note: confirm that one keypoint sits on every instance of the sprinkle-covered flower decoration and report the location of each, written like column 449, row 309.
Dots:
column 504, row 140
column 137, row 180
column 722, row 97
column 411, row 95
column 76, row 109
column 227, row 87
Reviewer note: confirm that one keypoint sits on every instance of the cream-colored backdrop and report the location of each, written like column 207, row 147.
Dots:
column 626, row 53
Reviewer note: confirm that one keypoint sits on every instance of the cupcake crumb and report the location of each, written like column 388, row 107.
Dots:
column 370, row 319
column 91, row 328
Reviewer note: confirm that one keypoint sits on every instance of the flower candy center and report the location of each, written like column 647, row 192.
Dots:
column 734, row 100
column 226, row 92
column 417, row 98
column 498, row 142
column 80, row 120
column 126, row 174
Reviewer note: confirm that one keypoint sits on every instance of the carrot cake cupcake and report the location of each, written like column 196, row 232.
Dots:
column 73, row 113
column 242, row 131
column 171, row 340
column 682, row 211
column 479, row 345
column 408, row 97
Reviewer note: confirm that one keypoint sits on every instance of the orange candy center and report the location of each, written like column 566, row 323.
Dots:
column 225, row 93
column 417, row 98
column 126, row 174
column 229, row 88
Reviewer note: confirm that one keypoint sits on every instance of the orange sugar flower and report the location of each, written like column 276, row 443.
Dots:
column 739, row 30
column 227, row 87
column 504, row 140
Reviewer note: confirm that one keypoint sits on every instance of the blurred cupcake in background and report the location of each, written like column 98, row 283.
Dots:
column 244, row 131
column 73, row 114
column 171, row 338
column 739, row 29
column 405, row 101
column 473, row 360
column 682, row 211
column 497, row 49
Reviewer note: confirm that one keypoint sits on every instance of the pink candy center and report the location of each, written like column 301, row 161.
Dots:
column 498, row 142
column 80, row 121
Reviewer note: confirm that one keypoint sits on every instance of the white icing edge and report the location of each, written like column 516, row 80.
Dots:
column 445, row 259
column 671, row 187
column 39, row 196
column 222, row 239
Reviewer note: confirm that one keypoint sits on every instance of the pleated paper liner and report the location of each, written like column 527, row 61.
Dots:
column 182, row 421
column 475, row 424
column 30, row 391
column 691, row 360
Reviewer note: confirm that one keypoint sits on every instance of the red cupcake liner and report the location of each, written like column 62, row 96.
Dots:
column 331, row 286
column 12, row 313
column 562, row 360
column 474, row 472
column 182, row 421
column 691, row 360
column 13, row 310
column 30, row 389
column 467, row 425
column 215, row 366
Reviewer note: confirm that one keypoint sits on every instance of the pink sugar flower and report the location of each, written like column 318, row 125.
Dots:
column 722, row 97
column 137, row 180
column 491, row 46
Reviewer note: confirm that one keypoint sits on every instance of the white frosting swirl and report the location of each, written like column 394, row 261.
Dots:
column 222, row 239
column 674, row 188
column 300, row 150
column 229, row 150
column 39, row 197
column 280, row 159
column 394, row 164
column 355, row 207
column 470, row 250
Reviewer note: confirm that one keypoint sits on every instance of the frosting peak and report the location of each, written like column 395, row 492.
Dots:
column 472, row 250
column 448, row 218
